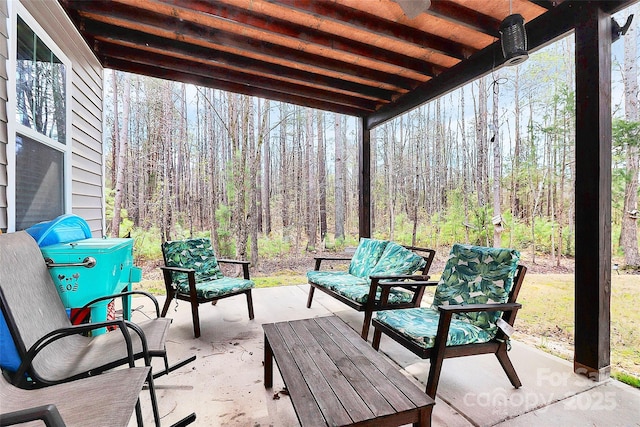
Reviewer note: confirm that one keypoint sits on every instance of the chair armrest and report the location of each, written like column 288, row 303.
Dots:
column 124, row 294
column 49, row 414
column 319, row 259
column 413, row 283
column 244, row 264
column 398, row 278
column 471, row 308
column 177, row 269
column 332, row 258
column 446, row 315
column 233, row 261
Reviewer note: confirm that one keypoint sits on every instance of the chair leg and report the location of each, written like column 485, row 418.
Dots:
column 310, row 298
column 505, row 362
column 250, row 304
column 377, row 334
column 139, row 421
column 366, row 324
column 434, row 375
column 196, row 318
column 167, row 303
column 154, row 400
column 437, row 354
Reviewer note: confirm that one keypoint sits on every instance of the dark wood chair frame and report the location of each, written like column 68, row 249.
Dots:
column 193, row 298
column 440, row 351
column 415, row 283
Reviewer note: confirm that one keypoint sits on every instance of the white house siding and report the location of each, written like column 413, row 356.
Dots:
column 4, row 54
column 86, row 132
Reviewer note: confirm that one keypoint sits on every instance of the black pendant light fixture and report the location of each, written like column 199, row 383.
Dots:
column 513, row 39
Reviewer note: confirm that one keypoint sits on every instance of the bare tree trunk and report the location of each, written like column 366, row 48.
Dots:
column 263, row 133
column 339, row 177
column 285, row 165
column 322, row 179
column 629, row 229
column 116, row 128
column 312, row 200
column 414, row 198
column 535, row 192
column 464, row 165
column 167, row 149
column 516, row 211
column 482, row 187
column 497, row 173
column 298, row 221
column 265, row 186
column 240, row 166
column 214, row 167
column 552, row 184
column 387, row 145
column 123, row 143
column 120, row 147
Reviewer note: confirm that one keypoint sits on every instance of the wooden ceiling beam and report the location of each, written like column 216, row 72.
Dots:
column 460, row 15
column 282, row 43
column 359, row 19
column 145, row 57
column 310, row 35
column 168, row 74
column 153, row 24
column 220, row 59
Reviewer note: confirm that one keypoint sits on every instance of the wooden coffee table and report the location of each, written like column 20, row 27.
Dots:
column 335, row 378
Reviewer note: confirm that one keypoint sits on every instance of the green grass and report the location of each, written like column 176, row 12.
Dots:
column 284, row 280
column 547, row 318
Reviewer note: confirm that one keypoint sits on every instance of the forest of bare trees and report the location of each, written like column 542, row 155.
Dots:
column 491, row 163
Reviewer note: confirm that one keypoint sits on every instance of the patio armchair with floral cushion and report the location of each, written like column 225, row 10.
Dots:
column 382, row 275
column 473, row 311
column 192, row 273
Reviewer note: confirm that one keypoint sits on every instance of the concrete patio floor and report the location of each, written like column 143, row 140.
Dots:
column 224, row 386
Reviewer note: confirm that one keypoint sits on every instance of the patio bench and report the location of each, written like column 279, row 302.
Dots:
column 381, row 276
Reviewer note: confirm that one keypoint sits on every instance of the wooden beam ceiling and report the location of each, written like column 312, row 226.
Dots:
column 361, row 58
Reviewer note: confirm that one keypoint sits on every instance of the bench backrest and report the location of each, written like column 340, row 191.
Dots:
column 366, row 256
column 477, row 275
column 197, row 254
column 382, row 257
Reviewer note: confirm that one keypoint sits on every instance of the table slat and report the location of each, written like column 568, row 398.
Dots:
column 304, row 403
column 335, row 378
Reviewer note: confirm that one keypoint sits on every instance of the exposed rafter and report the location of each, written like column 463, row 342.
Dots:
column 363, row 58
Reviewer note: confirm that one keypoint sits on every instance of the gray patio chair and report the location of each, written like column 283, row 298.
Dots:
column 51, row 349
column 104, row 400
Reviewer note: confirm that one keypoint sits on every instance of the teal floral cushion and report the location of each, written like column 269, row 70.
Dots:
column 360, row 293
column 219, row 287
column 477, row 275
column 192, row 253
column 421, row 326
column 396, row 260
column 366, row 256
column 332, row 279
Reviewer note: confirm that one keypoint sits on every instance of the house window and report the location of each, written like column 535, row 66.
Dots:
column 39, row 178
column 41, row 128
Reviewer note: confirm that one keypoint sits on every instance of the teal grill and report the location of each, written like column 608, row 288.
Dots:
column 87, row 269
